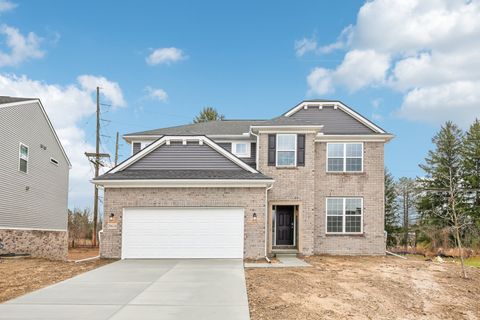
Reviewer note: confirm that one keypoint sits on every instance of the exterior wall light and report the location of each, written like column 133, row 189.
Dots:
column 254, row 217
column 111, row 217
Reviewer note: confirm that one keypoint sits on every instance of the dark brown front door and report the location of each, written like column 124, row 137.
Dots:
column 285, row 225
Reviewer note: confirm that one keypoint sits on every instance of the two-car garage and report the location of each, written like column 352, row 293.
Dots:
column 188, row 232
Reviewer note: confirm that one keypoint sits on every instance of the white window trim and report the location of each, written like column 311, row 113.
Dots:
column 20, row 156
column 248, row 152
column 294, row 150
column 343, row 215
column 344, row 157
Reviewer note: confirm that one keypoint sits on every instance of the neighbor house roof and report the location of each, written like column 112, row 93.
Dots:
column 7, row 99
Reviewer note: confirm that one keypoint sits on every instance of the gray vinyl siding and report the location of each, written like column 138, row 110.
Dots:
column 44, row 204
column 253, row 152
column 334, row 121
column 184, row 157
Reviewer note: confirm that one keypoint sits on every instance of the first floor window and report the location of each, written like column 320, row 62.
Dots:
column 344, row 215
column 345, row 157
column 286, row 150
column 23, row 155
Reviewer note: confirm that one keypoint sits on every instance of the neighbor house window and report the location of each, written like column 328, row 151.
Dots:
column 286, row 150
column 344, row 157
column 23, row 155
column 241, row 149
column 344, row 215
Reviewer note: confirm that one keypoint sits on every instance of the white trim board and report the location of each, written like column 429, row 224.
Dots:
column 191, row 183
column 337, row 104
column 354, row 138
column 201, row 139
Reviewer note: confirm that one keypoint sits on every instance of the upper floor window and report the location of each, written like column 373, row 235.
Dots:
column 23, row 156
column 241, row 149
column 344, row 215
column 286, row 150
column 345, row 157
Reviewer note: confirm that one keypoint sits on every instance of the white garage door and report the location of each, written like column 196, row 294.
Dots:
column 182, row 233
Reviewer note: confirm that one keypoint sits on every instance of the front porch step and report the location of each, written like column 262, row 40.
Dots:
column 285, row 252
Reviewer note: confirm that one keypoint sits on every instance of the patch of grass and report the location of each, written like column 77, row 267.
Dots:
column 473, row 262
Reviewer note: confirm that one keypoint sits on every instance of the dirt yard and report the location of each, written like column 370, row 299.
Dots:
column 82, row 253
column 364, row 288
column 20, row 276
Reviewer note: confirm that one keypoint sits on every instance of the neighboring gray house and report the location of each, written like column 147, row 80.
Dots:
column 33, row 181
column 310, row 181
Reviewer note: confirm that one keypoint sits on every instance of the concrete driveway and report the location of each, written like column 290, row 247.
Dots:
column 142, row 289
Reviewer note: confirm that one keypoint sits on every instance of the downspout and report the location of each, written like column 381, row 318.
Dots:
column 266, row 222
column 257, row 146
column 266, row 198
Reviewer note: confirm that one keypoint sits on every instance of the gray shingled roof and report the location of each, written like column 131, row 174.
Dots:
column 7, row 99
column 220, row 127
column 333, row 121
column 183, row 175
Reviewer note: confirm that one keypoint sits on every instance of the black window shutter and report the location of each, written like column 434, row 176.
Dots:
column 301, row 150
column 272, row 146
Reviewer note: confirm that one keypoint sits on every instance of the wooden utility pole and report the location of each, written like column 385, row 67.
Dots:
column 95, row 159
column 116, row 150
column 97, row 166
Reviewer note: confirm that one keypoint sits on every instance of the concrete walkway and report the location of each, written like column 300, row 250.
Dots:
column 284, row 261
column 142, row 289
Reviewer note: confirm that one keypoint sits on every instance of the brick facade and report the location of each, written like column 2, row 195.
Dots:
column 296, row 185
column 369, row 185
column 310, row 185
column 306, row 186
column 251, row 199
column 38, row 243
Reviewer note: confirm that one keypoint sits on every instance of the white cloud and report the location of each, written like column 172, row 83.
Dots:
column 421, row 48
column 456, row 101
column 157, row 94
column 67, row 107
column 6, row 5
column 165, row 56
column 110, row 89
column 320, row 81
column 305, row 45
column 22, row 47
column 358, row 69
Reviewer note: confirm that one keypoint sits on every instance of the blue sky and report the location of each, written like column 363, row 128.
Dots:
column 407, row 65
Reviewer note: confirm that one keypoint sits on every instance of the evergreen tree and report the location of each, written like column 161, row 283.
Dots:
column 443, row 197
column 391, row 208
column 208, row 114
column 471, row 170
